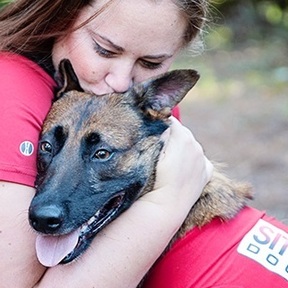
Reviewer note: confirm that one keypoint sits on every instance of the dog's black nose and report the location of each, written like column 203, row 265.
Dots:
column 47, row 219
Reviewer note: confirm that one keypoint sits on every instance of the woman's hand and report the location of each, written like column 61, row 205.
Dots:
column 182, row 170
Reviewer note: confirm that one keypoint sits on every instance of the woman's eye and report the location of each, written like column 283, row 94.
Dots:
column 151, row 65
column 46, row 147
column 102, row 51
column 102, row 154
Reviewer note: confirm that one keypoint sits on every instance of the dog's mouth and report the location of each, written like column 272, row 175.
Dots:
column 52, row 250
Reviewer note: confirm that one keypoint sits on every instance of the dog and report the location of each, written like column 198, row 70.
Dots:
column 98, row 154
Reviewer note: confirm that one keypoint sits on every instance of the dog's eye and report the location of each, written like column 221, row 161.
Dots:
column 102, row 154
column 46, row 147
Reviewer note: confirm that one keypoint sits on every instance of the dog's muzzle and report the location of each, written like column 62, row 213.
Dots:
column 53, row 248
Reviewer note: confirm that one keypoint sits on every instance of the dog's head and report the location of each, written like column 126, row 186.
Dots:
column 96, row 156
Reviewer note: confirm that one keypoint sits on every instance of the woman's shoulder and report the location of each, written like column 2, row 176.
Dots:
column 24, row 80
column 26, row 93
column 18, row 67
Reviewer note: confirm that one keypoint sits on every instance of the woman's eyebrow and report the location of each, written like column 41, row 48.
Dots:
column 157, row 57
column 116, row 47
column 121, row 49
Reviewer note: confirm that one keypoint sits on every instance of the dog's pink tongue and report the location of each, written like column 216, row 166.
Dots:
column 52, row 249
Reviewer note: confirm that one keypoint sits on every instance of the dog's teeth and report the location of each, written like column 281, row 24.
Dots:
column 83, row 228
column 91, row 220
column 97, row 214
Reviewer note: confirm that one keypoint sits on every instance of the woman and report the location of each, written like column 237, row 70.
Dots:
column 111, row 44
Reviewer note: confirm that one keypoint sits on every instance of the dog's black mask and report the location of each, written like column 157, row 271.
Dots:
column 96, row 156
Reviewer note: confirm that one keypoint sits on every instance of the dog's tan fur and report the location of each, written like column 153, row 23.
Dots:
column 221, row 197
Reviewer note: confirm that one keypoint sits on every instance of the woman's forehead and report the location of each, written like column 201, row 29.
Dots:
column 142, row 22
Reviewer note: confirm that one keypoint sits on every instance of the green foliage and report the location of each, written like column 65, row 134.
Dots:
column 4, row 2
column 251, row 19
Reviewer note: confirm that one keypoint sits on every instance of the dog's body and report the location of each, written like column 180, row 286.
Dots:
column 97, row 155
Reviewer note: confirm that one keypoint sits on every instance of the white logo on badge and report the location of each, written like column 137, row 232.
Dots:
column 267, row 245
column 26, row 148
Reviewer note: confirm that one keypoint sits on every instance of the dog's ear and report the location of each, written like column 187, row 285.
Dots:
column 67, row 78
column 157, row 96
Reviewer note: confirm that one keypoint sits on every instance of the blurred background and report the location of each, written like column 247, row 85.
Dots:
column 239, row 108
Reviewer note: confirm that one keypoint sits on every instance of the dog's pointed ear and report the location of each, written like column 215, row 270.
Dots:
column 67, row 78
column 157, row 96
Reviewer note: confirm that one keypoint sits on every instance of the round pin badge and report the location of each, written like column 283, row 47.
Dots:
column 26, row 148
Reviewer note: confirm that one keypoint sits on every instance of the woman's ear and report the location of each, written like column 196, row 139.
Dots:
column 67, row 78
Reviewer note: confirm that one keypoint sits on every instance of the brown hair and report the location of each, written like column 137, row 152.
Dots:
column 195, row 14
column 31, row 26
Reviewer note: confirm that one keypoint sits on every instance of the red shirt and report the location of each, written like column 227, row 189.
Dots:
column 26, row 93
column 249, row 251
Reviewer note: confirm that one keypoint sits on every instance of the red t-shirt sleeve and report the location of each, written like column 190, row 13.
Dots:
column 26, row 93
column 176, row 113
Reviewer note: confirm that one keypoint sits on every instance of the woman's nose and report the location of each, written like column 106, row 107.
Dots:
column 120, row 80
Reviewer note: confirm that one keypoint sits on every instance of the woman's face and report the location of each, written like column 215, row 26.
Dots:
column 127, row 43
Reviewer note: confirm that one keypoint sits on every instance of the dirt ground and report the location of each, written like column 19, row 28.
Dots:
column 239, row 113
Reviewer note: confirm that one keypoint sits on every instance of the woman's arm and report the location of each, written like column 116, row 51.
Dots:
column 18, row 264
column 124, row 251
